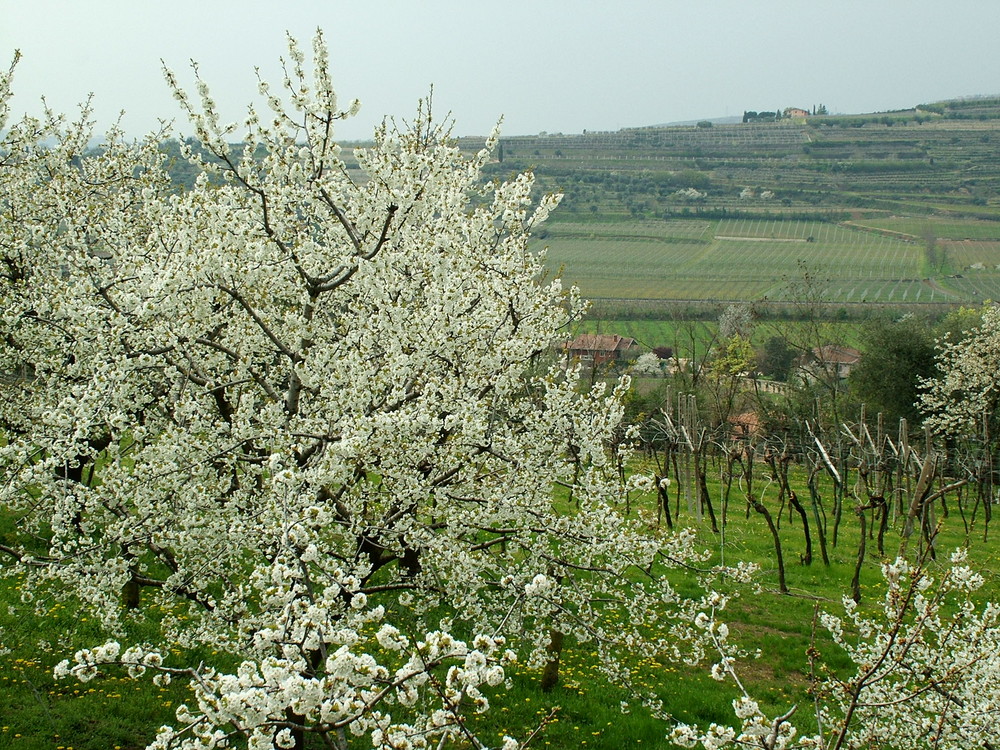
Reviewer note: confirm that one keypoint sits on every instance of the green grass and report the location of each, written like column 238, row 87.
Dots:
column 119, row 713
column 42, row 713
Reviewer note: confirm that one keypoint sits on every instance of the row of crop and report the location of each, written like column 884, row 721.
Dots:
column 971, row 254
column 897, row 291
column 768, row 227
column 975, row 286
column 838, row 261
column 694, row 229
column 744, row 240
column 634, row 279
column 748, row 258
column 709, row 291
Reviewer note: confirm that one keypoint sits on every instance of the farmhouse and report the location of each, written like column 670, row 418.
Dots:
column 795, row 112
column 744, row 425
column 829, row 361
column 598, row 349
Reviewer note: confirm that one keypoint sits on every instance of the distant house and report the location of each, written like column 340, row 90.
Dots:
column 745, row 425
column 795, row 112
column 598, row 349
column 829, row 361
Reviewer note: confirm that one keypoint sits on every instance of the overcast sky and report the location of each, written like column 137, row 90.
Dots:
column 544, row 65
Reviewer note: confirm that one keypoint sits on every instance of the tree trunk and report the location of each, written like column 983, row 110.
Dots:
column 817, row 508
column 856, row 580
column 704, row 498
column 550, row 672
column 759, row 507
column 807, row 558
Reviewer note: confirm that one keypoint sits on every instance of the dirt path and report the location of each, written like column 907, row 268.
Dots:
column 759, row 239
column 940, row 289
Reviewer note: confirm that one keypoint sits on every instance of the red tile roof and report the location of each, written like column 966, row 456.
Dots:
column 600, row 342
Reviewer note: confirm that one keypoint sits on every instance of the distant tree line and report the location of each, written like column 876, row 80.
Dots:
column 751, row 116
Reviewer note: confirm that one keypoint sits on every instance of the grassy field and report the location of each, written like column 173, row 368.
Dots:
column 39, row 713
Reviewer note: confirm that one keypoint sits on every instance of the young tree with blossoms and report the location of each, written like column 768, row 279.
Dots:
column 310, row 412
column 965, row 399
column 962, row 404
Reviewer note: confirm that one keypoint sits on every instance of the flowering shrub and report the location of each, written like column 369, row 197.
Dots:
column 648, row 364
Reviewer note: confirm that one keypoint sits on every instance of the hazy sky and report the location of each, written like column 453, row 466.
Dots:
column 544, row 65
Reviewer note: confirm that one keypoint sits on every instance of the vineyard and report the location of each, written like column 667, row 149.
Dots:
column 890, row 209
column 719, row 260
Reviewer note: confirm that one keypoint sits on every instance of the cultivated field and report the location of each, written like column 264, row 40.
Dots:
column 761, row 259
column 902, row 208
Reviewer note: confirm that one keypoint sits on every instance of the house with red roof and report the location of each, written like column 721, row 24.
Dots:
column 601, row 348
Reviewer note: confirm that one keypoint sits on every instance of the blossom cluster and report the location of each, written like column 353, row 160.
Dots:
column 355, row 692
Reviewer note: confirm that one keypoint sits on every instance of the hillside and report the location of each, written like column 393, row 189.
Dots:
column 897, row 208
column 938, row 158
column 911, row 200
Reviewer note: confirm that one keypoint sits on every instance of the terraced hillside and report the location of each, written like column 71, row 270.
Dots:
column 900, row 208
column 919, row 162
